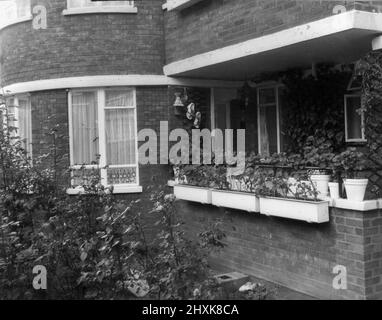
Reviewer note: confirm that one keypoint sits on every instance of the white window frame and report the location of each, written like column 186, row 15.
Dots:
column 363, row 138
column 276, row 87
column 16, row 99
column 127, row 7
column 101, row 109
column 18, row 19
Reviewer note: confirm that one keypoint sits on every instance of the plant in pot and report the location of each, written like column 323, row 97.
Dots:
column 318, row 154
column 351, row 163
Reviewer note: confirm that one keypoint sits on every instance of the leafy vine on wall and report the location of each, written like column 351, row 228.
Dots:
column 313, row 113
column 371, row 69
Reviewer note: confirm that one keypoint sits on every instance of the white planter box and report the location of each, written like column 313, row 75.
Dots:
column 192, row 193
column 310, row 211
column 236, row 200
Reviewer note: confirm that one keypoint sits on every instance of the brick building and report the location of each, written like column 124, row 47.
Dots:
column 103, row 71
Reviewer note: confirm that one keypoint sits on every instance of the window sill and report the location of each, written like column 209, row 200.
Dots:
column 116, row 190
column 116, row 9
column 16, row 21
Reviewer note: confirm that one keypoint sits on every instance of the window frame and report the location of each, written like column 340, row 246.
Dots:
column 102, row 165
column 276, row 87
column 363, row 138
column 16, row 114
column 123, row 8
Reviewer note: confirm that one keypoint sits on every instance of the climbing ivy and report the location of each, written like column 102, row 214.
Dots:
column 370, row 67
column 314, row 115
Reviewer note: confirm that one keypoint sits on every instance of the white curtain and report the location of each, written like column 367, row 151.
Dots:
column 25, row 123
column 264, row 136
column 120, row 136
column 85, row 127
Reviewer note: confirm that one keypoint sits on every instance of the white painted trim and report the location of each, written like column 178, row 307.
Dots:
column 116, row 190
column 324, row 27
column 113, row 81
column 367, row 205
column 16, row 21
column 180, row 4
column 212, row 114
column 106, row 9
column 121, row 188
column 362, row 139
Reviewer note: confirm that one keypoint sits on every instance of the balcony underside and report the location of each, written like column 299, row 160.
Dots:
column 341, row 38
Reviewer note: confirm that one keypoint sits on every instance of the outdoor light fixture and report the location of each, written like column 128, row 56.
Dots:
column 178, row 100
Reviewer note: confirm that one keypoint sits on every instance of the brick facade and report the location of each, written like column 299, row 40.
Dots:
column 296, row 254
column 83, row 45
column 212, row 24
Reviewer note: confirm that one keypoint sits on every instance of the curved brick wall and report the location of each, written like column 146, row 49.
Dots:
column 83, row 45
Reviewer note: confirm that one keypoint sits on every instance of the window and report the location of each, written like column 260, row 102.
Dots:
column 268, row 120
column 354, row 121
column 103, row 136
column 88, row 6
column 13, row 11
column 19, row 116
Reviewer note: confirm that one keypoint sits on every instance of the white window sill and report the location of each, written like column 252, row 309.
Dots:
column 116, row 9
column 116, row 190
column 16, row 21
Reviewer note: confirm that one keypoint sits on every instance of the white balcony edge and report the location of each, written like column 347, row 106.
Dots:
column 180, row 4
column 354, row 19
column 114, row 80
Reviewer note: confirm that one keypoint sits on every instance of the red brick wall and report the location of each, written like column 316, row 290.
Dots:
column 297, row 254
column 83, row 45
column 212, row 24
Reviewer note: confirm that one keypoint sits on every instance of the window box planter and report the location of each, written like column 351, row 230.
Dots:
column 192, row 193
column 310, row 211
column 236, row 200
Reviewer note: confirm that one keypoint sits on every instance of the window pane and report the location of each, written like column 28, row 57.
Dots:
column 120, row 136
column 353, row 118
column 25, row 123
column 85, row 128
column 89, row 3
column 268, row 130
column 119, row 98
column 11, row 10
column 267, row 95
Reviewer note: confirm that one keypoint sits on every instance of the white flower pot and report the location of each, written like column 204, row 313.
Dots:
column 236, row 200
column 321, row 182
column 192, row 193
column 310, row 211
column 355, row 189
column 334, row 189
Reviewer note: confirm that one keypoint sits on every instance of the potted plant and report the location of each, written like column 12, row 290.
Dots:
column 193, row 183
column 352, row 162
column 236, row 192
column 276, row 200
